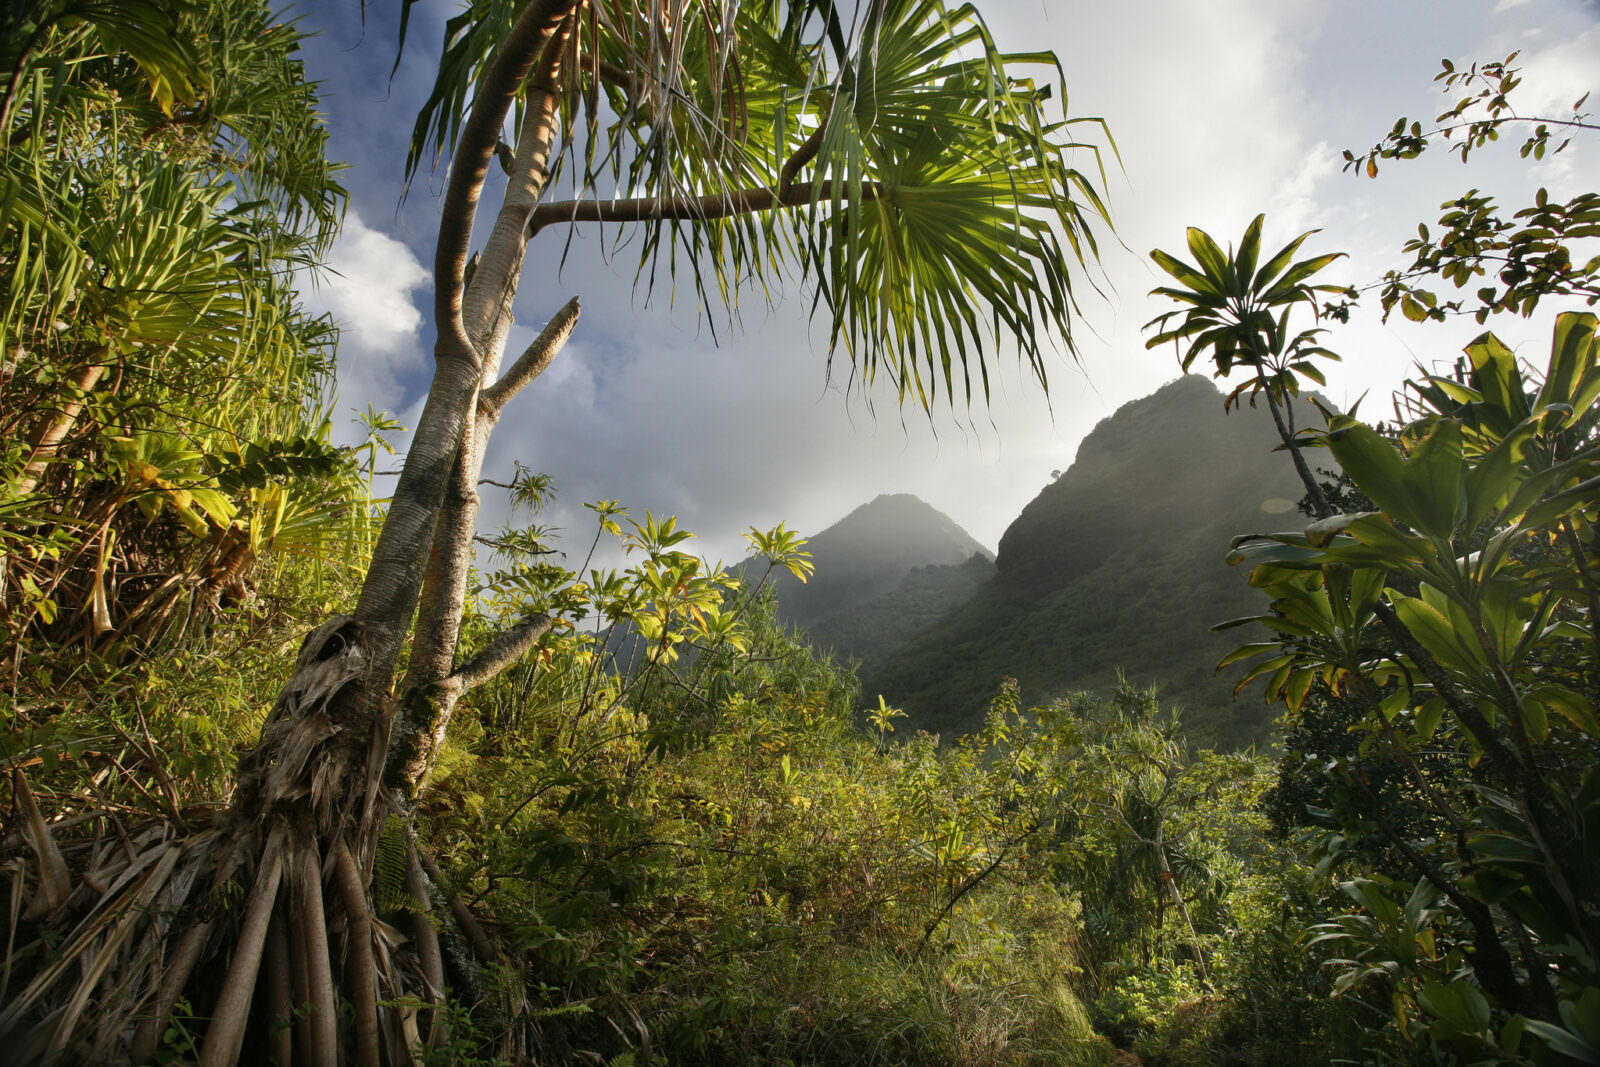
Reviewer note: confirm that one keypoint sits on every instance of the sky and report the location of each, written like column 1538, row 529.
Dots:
column 1219, row 111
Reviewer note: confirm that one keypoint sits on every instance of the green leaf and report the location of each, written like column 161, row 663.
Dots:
column 1375, row 465
column 1374, row 530
column 1249, row 250
column 1505, row 848
column 1565, row 1042
column 1567, row 703
column 1213, row 261
column 1459, row 1004
column 1499, row 382
column 1428, row 716
column 1434, row 631
column 1434, row 476
column 1573, row 354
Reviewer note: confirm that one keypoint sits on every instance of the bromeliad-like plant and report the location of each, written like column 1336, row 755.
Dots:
column 1237, row 316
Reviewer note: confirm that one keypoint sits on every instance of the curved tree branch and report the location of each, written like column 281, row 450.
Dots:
column 500, row 653
column 474, row 152
column 803, row 155
column 692, row 208
column 531, row 363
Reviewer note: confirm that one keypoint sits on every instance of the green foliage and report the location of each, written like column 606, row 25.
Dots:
column 169, row 503
column 1477, row 563
column 146, row 315
column 1238, row 312
column 701, row 856
column 912, row 171
column 1436, row 650
column 694, row 844
column 1515, row 261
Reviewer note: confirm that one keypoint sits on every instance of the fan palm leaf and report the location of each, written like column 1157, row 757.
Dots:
column 903, row 164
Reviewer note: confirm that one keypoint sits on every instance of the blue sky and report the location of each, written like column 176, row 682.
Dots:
column 1220, row 110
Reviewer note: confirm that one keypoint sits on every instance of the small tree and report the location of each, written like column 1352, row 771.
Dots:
column 1457, row 615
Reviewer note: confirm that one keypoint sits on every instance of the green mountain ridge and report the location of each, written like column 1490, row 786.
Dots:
column 1118, row 563
column 874, row 627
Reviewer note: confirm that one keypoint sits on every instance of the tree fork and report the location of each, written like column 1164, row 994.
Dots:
column 429, row 692
column 394, row 579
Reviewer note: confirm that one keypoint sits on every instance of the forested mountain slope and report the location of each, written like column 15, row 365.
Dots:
column 1117, row 563
column 892, row 541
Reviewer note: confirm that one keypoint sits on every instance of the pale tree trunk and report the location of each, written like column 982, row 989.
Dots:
column 431, row 686
column 1170, row 881
column 48, row 438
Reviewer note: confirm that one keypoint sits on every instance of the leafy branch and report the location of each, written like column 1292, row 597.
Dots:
column 1515, row 261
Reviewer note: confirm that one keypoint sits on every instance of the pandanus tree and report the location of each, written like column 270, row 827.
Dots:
column 148, row 222
column 896, row 160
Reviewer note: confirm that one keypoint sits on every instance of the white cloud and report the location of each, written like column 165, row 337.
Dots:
column 1220, row 111
column 1506, row 5
column 1555, row 77
column 1298, row 204
column 370, row 290
column 370, row 287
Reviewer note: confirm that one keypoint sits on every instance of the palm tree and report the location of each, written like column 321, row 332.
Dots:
column 895, row 158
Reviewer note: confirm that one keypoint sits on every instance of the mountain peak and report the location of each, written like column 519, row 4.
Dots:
column 1118, row 563
column 870, row 551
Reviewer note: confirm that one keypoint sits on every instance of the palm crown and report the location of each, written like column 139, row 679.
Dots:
column 903, row 163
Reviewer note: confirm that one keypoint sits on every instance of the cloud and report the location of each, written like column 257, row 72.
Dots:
column 1555, row 77
column 643, row 407
column 1297, row 206
column 370, row 289
column 1220, row 111
column 373, row 276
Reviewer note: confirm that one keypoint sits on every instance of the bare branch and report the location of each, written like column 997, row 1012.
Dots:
column 531, row 363
column 500, row 653
column 955, row 898
column 711, row 206
column 803, row 155
column 469, row 926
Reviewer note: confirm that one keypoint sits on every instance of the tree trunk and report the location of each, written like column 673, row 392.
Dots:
column 280, row 882
column 1170, row 882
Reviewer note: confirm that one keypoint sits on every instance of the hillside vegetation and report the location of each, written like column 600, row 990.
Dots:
column 867, row 554
column 1116, row 565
